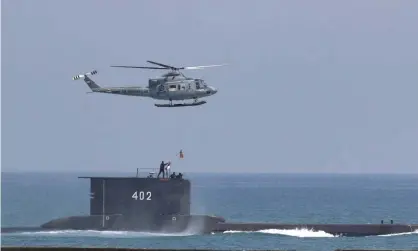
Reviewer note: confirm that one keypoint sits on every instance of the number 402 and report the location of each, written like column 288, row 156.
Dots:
column 141, row 195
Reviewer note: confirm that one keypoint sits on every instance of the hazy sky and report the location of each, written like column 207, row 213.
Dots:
column 311, row 86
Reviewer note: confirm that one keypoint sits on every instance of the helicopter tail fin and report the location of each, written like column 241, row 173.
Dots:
column 91, row 84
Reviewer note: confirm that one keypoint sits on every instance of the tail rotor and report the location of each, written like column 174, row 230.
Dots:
column 91, row 84
column 93, row 72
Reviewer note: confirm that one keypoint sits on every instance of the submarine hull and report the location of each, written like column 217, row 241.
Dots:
column 163, row 206
column 352, row 230
column 204, row 224
column 163, row 224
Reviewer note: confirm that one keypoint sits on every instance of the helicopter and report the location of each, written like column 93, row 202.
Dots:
column 171, row 86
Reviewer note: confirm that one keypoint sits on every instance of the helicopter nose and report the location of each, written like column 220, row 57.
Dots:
column 211, row 90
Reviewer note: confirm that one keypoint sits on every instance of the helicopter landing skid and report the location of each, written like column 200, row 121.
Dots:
column 181, row 105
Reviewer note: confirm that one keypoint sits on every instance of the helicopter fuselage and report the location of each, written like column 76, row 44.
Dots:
column 172, row 86
column 165, row 90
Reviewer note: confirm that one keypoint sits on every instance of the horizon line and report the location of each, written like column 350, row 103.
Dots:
column 214, row 172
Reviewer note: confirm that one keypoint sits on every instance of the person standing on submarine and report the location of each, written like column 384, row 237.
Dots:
column 162, row 169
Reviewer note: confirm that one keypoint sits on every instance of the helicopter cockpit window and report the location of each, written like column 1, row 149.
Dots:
column 200, row 84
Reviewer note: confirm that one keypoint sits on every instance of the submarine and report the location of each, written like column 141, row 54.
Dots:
column 162, row 205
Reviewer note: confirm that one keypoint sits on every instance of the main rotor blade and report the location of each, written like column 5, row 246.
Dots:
column 163, row 65
column 140, row 67
column 201, row 67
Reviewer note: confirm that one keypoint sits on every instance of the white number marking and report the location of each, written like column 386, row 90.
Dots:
column 141, row 195
column 135, row 195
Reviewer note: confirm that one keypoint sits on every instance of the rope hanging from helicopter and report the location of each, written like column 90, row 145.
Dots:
column 173, row 71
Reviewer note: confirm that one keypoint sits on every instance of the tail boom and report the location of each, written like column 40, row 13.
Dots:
column 91, row 84
column 127, row 91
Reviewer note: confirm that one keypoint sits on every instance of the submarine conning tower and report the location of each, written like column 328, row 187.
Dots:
column 139, row 197
column 138, row 203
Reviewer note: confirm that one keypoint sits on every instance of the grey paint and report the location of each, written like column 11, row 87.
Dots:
column 165, row 207
column 135, row 203
column 311, row 86
column 171, row 87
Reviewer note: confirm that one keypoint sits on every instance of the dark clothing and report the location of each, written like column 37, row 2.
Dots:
column 162, row 165
column 161, row 172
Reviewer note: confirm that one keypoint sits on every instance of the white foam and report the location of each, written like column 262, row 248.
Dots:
column 399, row 234
column 306, row 233
column 301, row 233
column 235, row 232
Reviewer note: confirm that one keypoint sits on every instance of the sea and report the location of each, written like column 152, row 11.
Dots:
column 30, row 199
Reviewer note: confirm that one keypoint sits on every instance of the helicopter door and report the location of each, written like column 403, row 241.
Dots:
column 161, row 87
column 172, row 87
